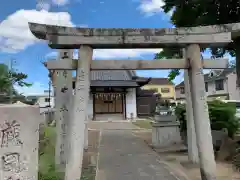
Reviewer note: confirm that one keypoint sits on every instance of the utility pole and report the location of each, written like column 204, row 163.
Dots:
column 49, row 93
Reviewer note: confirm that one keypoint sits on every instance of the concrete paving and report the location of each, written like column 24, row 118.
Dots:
column 116, row 125
column 123, row 156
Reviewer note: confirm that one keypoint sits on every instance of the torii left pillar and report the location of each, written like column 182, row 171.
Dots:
column 63, row 105
column 79, row 113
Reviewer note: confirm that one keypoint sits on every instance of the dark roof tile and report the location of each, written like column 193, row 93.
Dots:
column 111, row 75
column 160, row 81
column 115, row 75
column 113, row 83
column 217, row 74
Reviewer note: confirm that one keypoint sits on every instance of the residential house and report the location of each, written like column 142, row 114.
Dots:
column 180, row 93
column 45, row 100
column 162, row 86
column 219, row 84
column 113, row 94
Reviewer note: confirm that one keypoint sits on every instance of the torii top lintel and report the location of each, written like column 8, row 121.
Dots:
column 61, row 37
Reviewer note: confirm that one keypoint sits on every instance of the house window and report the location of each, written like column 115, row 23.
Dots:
column 154, row 89
column 165, row 90
column 219, row 85
column 47, row 99
column 206, row 86
column 182, row 91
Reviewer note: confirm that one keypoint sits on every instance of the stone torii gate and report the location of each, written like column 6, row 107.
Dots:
column 87, row 39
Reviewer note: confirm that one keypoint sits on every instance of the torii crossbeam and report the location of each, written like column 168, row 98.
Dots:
column 86, row 39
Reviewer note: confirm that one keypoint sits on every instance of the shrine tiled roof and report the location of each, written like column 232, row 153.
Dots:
column 113, row 78
column 111, row 75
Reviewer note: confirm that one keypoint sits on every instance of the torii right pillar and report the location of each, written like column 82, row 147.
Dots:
column 201, row 114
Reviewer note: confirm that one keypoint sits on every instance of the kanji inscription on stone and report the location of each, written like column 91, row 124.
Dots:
column 12, row 178
column 19, row 137
column 9, row 134
column 11, row 162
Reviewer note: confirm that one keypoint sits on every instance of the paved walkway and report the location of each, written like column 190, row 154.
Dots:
column 117, row 125
column 124, row 156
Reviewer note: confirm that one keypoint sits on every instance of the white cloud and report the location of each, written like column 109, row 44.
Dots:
column 151, row 7
column 36, row 89
column 14, row 31
column 113, row 53
column 43, row 6
column 46, row 4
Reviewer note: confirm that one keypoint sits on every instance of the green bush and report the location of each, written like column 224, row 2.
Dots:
column 47, row 170
column 222, row 116
column 236, row 158
column 52, row 174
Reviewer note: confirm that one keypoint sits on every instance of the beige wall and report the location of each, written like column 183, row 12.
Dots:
column 171, row 93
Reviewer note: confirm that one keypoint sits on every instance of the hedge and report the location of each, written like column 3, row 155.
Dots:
column 47, row 170
column 222, row 116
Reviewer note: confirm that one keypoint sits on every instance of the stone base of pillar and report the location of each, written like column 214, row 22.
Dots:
column 165, row 134
column 86, row 137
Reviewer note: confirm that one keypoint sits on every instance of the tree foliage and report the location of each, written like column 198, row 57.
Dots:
column 9, row 78
column 200, row 13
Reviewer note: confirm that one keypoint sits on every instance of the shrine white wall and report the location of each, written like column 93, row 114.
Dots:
column 131, row 103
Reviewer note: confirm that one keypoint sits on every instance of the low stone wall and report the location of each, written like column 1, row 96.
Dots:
column 19, row 132
column 218, row 137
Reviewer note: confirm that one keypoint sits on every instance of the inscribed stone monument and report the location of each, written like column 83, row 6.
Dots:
column 19, row 135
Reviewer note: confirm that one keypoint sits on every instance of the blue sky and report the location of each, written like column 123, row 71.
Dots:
column 17, row 42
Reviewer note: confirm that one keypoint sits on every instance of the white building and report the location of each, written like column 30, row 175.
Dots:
column 219, row 84
column 45, row 100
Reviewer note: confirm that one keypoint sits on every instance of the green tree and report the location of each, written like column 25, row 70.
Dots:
column 232, row 64
column 9, row 78
column 200, row 13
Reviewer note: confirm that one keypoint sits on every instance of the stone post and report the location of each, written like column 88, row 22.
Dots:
column 201, row 115
column 19, row 132
column 63, row 106
column 86, row 133
column 87, row 102
column 191, row 133
column 79, row 112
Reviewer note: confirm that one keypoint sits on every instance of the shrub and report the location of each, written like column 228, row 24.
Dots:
column 51, row 174
column 222, row 116
column 47, row 169
column 236, row 158
column 180, row 112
